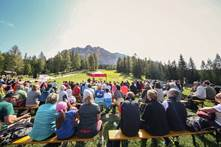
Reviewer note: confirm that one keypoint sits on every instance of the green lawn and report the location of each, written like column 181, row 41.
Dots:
column 112, row 75
column 80, row 76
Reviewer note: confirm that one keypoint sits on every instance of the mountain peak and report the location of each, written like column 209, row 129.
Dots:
column 104, row 56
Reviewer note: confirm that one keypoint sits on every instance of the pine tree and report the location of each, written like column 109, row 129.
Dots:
column 1, row 62
column 182, row 68
column 192, row 74
column 91, row 62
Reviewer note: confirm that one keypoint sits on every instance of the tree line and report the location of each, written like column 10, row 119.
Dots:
column 172, row 70
column 64, row 61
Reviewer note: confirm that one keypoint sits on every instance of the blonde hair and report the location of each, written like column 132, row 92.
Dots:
column 152, row 94
column 52, row 98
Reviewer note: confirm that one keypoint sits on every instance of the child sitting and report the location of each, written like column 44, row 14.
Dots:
column 66, row 121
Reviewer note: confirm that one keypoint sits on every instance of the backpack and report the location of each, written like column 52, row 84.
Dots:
column 16, row 131
column 197, row 123
column 130, row 118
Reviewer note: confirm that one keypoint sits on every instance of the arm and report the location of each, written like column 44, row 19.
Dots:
column 13, row 118
column 208, row 110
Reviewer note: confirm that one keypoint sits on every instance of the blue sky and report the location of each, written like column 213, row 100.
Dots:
column 30, row 24
column 156, row 29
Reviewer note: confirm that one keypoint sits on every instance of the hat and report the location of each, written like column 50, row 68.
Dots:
column 173, row 92
column 61, row 106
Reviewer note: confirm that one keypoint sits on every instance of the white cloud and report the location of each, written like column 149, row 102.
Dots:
column 11, row 25
column 157, row 29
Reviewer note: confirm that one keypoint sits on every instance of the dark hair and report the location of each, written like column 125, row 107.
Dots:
column 118, row 87
column 207, row 82
column 107, row 90
column 157, row 85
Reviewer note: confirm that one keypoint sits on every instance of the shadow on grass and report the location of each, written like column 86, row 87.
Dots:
column 209, row 140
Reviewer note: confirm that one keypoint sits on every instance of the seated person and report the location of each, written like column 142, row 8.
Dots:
column 160, row 95
column 200, row 93
column 44, row 122
column 33, row 96
column 99, row 95
column 22, row 95
column 7, row 115
column 215, row 109
column 118, row 98
column 150, row 119
column 129, row 116
column 90, row 119
column 144, row 92
column 66, row 121
column 63, row 95
column 107, row 99
column 210, row 91
column 124, row 89
column 175, row 111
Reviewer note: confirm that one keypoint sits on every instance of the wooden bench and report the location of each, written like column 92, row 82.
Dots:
column 28, row 140
column 142, row 134
column 197, row 102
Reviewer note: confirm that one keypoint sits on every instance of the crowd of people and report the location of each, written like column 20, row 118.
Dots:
column 76, row 108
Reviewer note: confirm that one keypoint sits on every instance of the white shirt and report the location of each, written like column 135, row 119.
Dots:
column 165, row 104
column 62, row 94
column 69, row 92
column 218, row 114
column 160, row 95
column 107, row 95
column 200, row 92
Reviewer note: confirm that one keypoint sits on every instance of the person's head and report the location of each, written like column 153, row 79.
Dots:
column 61, row 106
column 35, row 87
column 218, row 98
column 88, row 96
column 107, row 90
column 157, row 85
column 72, row 100
column 99, row 86
column 130, row 95
column 173, row 93
column 172, row 85
column 62, row 88
column 52, row 98
column 118, row 87
column 152, row 95
column 89, row 85
column 207, row 82
column 147, row 86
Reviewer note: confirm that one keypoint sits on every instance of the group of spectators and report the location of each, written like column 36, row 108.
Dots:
column 75, row 108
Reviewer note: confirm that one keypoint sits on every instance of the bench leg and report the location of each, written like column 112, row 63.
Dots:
column 194, row 140
column 217, row 137
column 124, row 143
column 143, row 142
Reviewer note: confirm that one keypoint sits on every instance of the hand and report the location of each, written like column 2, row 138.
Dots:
column 26, row 115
